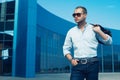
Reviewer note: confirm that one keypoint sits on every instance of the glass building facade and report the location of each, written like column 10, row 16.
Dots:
column 49, row 56
column 109, row 58
column 6, row 36
column 49, row 49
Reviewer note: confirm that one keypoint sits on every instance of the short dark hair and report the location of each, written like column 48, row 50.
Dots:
column 83, row 8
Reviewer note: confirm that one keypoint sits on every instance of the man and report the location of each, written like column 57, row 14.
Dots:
column 85, row 64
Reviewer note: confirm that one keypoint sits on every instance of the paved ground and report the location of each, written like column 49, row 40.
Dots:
column 63, row 76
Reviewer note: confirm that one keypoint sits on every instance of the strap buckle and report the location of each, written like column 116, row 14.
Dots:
column 84, row 61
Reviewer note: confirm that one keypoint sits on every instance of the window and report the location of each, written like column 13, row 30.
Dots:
column 0, row 8
column 9, row 26
column 9, row 17
column 10, row 7
column 8, row 44
column 8, row 37
column 1, row 26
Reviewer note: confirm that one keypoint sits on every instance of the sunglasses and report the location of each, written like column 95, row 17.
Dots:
column 76, row 14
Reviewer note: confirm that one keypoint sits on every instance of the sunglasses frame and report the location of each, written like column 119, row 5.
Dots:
column 77, row 14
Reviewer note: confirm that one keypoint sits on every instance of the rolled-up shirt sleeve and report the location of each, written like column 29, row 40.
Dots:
column 67, row 45
column 106, row 42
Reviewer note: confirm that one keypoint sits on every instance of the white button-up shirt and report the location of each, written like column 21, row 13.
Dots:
column 84, row 43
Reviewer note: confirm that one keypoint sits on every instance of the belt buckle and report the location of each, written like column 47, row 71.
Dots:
column 83, row 61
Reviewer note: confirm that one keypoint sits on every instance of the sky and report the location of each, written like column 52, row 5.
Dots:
column 104, row 12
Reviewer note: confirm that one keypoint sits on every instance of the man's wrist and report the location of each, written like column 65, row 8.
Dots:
column 70, row 59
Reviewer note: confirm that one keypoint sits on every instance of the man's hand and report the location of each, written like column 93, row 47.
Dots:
column 74, row 62
column 97, row 29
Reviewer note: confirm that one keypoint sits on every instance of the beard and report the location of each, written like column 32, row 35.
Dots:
column 80, row 21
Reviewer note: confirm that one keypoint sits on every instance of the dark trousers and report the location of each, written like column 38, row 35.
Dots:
column 87, row 71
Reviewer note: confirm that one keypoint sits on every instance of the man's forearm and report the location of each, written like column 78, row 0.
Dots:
column 103, row 35
column 68, row 56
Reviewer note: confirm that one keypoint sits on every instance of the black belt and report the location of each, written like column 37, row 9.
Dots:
column 87, row 60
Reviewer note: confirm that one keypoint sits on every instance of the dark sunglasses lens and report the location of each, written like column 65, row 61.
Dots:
column 77, row 14
column 74, row 15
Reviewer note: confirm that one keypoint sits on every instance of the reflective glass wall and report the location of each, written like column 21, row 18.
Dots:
column 50, row 52
column 109, row 58
column 6, row 36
